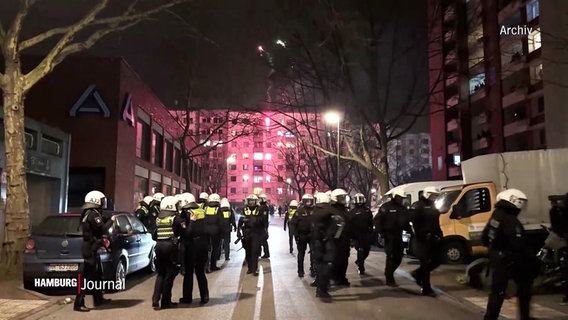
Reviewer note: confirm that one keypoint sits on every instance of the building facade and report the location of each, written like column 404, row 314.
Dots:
column 124, row 141
column 47, row 164
column 410, row 159
column 498, row 75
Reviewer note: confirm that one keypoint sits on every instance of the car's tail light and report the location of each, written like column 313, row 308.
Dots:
column 30, row 245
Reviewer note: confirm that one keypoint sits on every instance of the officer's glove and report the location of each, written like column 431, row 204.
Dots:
column 284, row 228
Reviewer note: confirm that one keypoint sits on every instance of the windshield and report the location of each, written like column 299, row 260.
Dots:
column 445, row 200
column 57, row 226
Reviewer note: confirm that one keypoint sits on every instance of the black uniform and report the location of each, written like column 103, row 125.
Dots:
column 287, row 218
column 428, row 236
column 342, row 244
column 361, row 231
column 154, row 213
column 213, row 222
column 509, row 257
column 559, row 225
column 227, row 223
column 264, row 211
column 323, row 230
column 252, row 232
column 301, row 224
column 167, row 233
column 196, row 242
column 391, row 220
column 142, row 212
column 94, row 226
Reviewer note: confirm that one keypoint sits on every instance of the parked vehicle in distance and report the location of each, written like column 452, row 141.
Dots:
column 54, row 248
column 466, row 209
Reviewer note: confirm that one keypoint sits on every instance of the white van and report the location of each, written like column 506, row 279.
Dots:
column 414, row 190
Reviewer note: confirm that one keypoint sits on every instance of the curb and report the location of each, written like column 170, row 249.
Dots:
column 52, row 304
column 35, row 293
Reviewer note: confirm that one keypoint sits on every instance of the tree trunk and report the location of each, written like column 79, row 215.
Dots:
column 17, row 210
column 187, row 176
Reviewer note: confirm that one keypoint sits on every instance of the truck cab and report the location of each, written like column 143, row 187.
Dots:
column 464, row 212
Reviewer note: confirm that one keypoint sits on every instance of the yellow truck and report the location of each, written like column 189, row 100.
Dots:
column 465, row 209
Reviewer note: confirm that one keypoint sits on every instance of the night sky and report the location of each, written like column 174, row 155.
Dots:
column 226, row 68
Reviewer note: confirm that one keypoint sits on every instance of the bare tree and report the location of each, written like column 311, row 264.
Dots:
column 15, row 84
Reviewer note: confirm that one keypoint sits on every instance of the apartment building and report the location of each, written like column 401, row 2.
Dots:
column 497, row 68
column 410, row 158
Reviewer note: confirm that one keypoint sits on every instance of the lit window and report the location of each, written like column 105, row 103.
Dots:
column 234, row 133
column 258, row 156
column 233, row 156
column 289, row 134
column 289, row 145
column 280, row 133
column 267, row 121
column 245, row 178
column 457, row 159
column 267, row 179
column 257, row 190
column 536, row 73
column 280, row 191
column 268, row 156
column 532, row 10
column 245, row 155
column 534, row 40
column 279, row 144
column 257, row 179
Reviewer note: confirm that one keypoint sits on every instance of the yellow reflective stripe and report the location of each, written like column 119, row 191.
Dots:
column 211, row 211
column 86, row 217
column 199, row 212
column 164, row 230
column 291, row 213
column 248, row 212
column 226, row 214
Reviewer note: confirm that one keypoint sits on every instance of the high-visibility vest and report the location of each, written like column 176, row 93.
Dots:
column 200, row 212
column 291, row 213
column 143, row 209
column 164, row 228
column 249, row 213
column 211, row 211
column 226, row 213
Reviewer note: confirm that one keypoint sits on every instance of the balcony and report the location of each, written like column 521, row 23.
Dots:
column 517, row 95
column 452, row 125
column 451, row 80
column 480, row 119
column 478, row 94
column 514, row 66
column 480, row 144
column 449, row 15
column 508, row 7
column 453, row 101
column 516, row 127
column 454, row 171
column 453, row 148
column 449, row 36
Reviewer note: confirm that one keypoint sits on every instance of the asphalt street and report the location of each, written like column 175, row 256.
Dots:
column 278, row 293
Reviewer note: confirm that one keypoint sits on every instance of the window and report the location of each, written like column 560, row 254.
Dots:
column 169, row 156
column 542, row 137
column 280, row 191
column 51, row 146
column 245, row 166
column 280, row 156
column 536, row 73
column 245, row 190
column 158, row 143
column 476, row 83
column 268, row 179
column 233, row 167
column 280, row 167
column 279, row 144
column 280, row 179
column 532, row 10
column 258, row 144
column 140, row 189
column 473, row 202
column 234, row 144
column 534, row 40
column 280, row 133
column 123, row 224
column 258, row 156
column 257, row 168
column 457, row 159
column 155, row 187
column 137, row 226
column 246, row 144
column 245, row 155
column 143, row 140
column 541, row 104
column 177, row 161
column 233, row 190
column 268, row 190
column 245, row 178
column 267, row 156
column 167, row 190
column 233, row 178
column 269, row 144
column 257, row 179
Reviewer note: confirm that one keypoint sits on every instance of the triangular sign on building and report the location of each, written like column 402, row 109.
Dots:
column 90, row 102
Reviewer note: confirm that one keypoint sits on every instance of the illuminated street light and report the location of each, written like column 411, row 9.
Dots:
column 333, row 117
column 260, row 49
column 281, row 43
column 289, row 180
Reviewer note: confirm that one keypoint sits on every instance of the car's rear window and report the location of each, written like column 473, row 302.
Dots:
column 59, row 226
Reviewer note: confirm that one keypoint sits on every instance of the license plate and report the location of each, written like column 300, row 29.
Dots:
column 63, row 267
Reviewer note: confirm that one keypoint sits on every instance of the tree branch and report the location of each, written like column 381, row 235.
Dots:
column 2, row 36
column 13, row 35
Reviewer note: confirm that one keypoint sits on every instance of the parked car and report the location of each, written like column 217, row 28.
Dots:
column 54, row 248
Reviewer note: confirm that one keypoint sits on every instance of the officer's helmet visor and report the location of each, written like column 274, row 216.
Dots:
column 104, row 203
column 342, row 199
column 359, row 200
column 520, row 203
column 308, row 202
column 251, row 202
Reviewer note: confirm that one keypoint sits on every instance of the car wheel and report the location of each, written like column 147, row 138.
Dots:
column 152, row 265
column 454, row 253
column 120, row 271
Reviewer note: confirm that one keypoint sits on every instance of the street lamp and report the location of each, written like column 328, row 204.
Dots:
column 333, row 117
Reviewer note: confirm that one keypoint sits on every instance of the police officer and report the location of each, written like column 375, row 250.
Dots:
column 94, row 226
column 287, row 218
column 142, row 212
column 228, row 223
column 428, row 236
column 509, row 256
column 196, row 242
column 154, row 210
column 301, row 223
column 559, row 225
column 391, row 220
column 323, row 230
column 213, row 221
column 361, row 229
column 264, row 211
column 252, row 232
column 342, row 245
column 166, row 235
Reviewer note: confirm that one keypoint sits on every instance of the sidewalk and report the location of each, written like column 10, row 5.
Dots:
column 16, row 302
column 446, row 279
